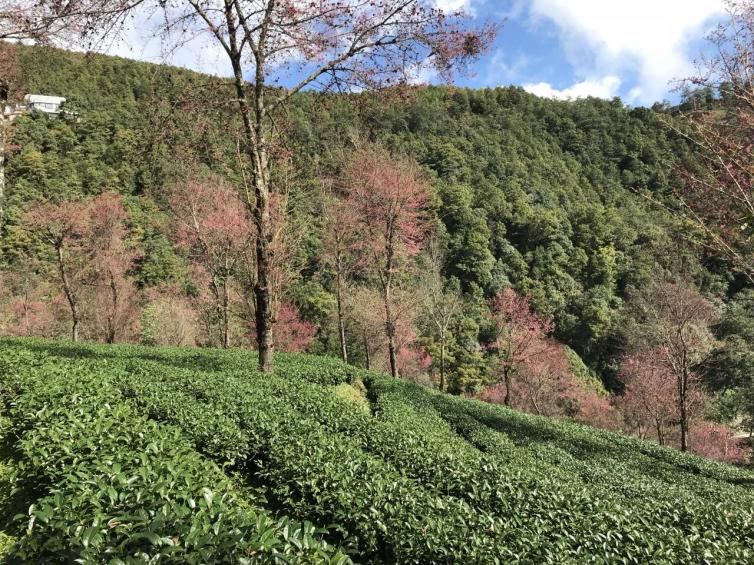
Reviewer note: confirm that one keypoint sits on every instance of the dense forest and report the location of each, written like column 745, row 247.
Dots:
column 545, row 247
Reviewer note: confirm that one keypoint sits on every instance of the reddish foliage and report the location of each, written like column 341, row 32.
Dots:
column 413, row 360
column 716, row 441
column 521, row 337
column 66, row 228
column 212, row 221
column 649, row 402
column 291, row 332
column 32, row 317
column 116, row 309
column 596, row 410
column 718, row 194
column 543, row 381
column 93, row 260
column 676, row 339
column 390, row 197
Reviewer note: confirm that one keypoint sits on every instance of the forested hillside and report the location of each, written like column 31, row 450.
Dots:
column 544, row 199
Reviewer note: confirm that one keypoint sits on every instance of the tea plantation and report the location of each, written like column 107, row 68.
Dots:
column 124, row 454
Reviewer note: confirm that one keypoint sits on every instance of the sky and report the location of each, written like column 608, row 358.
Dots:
column 557, row 48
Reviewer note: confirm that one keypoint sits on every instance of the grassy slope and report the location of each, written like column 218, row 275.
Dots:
column 547, row 490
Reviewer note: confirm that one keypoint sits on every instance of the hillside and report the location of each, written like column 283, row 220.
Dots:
column 133, row 454
column 533, row 193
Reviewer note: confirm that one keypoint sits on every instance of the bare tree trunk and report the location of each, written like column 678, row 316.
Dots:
column 660, row 436
column 366, row 350
column 226, row 322
column 387, row 288
column 69, row 295
column 507, row 380
column 442, row 362
column 683, row 401
column 3, row 125
column 390, row 330
column 256, row 150
column 339, row 305
column 110, row 338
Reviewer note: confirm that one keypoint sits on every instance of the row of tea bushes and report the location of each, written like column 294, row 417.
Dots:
column 425, row 477
column 106, row 484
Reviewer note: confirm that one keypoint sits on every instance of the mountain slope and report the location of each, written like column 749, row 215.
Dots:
column 534, row 193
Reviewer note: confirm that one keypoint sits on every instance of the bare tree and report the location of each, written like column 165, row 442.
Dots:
column 340, row 240
column 442, row 303
column 718, row 196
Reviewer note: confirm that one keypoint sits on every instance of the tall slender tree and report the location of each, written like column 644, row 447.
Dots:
column 65, row 228
column 276, row 48
column 211, row 220
column 390, row 197
column 340, row 243
column 676, row 322
column 442, row 301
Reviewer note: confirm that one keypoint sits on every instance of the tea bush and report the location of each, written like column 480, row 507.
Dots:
column 419, row 477
column 110, row 485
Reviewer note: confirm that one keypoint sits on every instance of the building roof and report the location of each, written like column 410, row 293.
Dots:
column 42, row 99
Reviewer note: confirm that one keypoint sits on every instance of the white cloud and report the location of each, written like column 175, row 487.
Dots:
column 453, row 5
column 506, row 68
column 140, row 39
column 651, row 38
column 606, row 87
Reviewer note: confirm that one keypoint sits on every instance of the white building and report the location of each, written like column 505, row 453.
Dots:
column 47, row 104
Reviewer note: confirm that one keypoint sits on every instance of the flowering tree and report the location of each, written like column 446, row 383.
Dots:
column 212, row 221
column 292, row 333
column 650, row 396
column 716, row 441
column 88, row 241
column 543, row 380
column 110, row 259
column 65, row 228
column 719, row 195
column 676, row 330
column 390, row 198
column 341, row 44
column 24, row 295
column 521, row 334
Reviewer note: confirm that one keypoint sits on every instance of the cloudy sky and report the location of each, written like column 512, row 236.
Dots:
column 572, row 48
column 560, row 48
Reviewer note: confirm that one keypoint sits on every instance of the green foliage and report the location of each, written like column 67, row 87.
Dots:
column 107, row 483
column 424, row 477
column 584, row 373
column 534, row 193
column 730, row 372
column 354, row 393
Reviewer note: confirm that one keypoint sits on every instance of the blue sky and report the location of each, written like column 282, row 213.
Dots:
column 556, row 48
column 572, row 48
